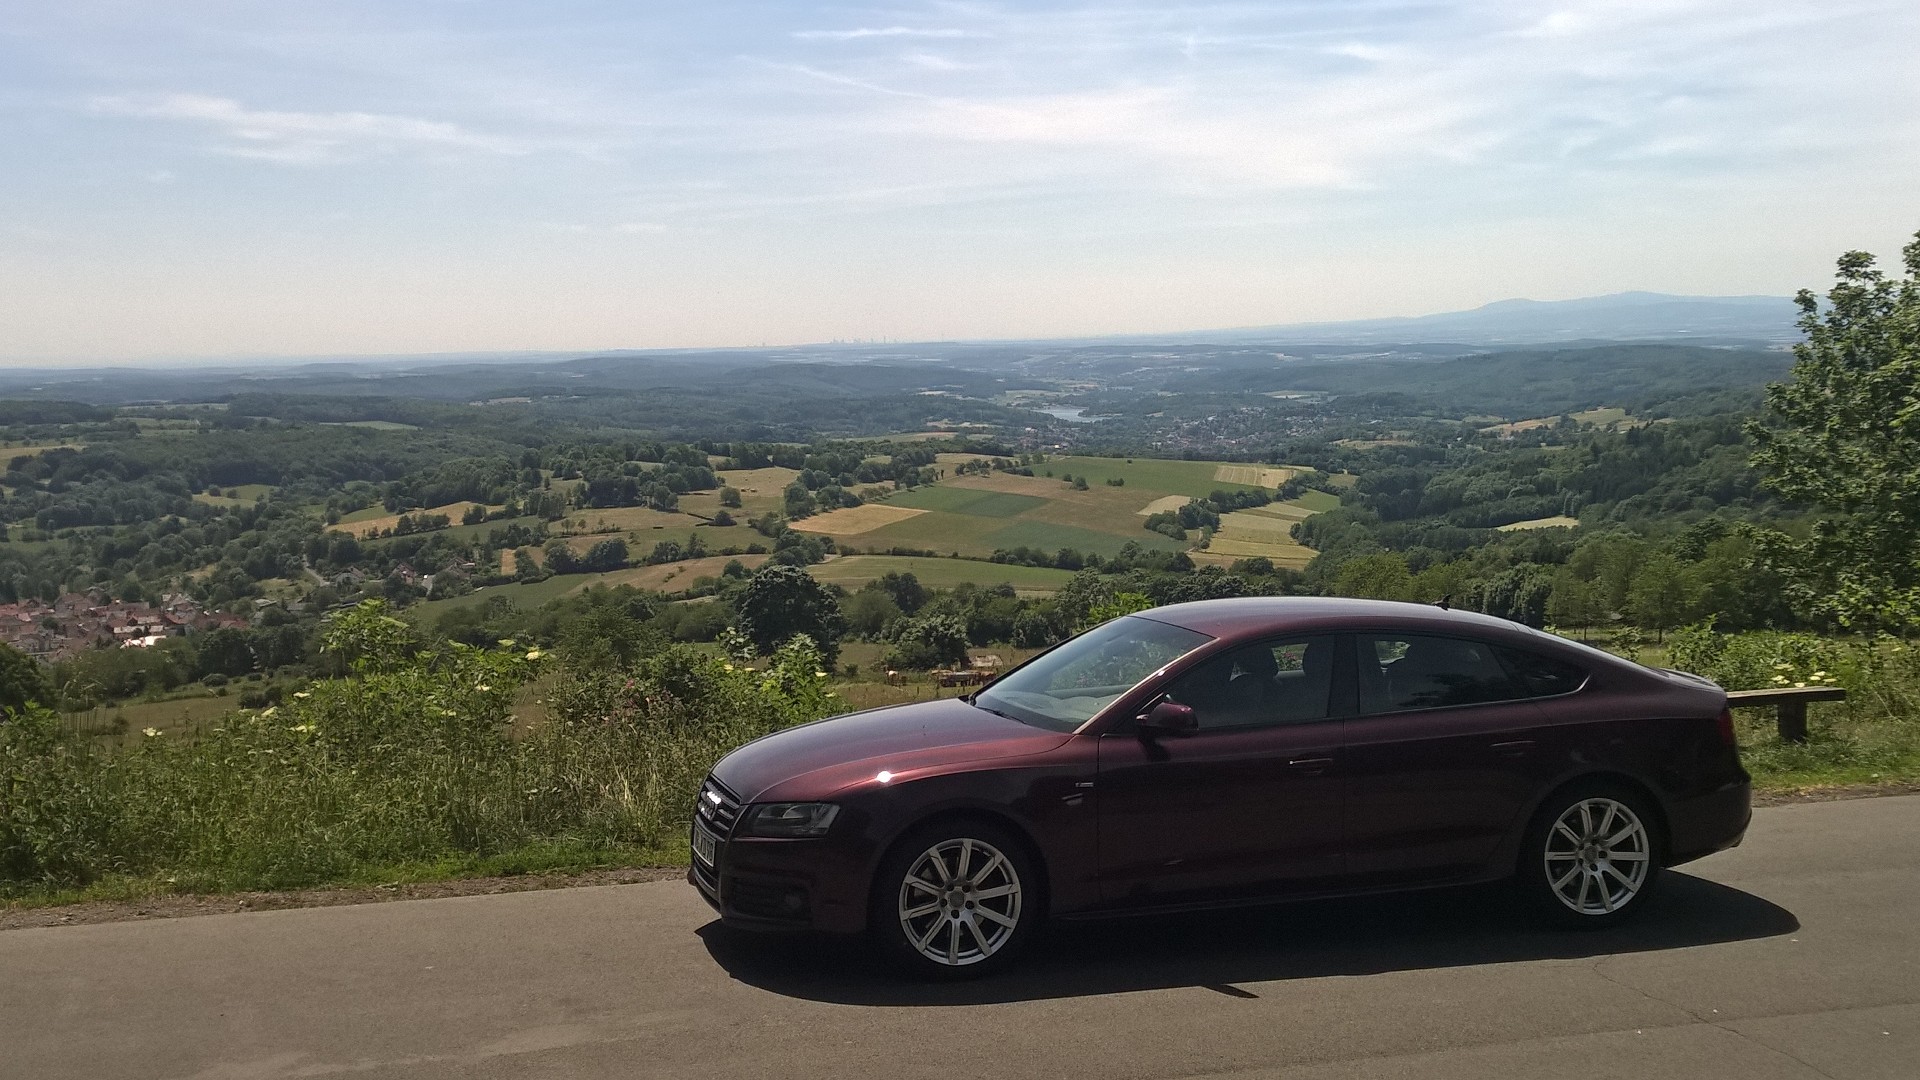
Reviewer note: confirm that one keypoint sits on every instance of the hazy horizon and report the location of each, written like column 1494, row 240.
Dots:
column 213, row 182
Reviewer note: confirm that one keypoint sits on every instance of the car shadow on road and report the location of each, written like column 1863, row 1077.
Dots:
column 1218, row 950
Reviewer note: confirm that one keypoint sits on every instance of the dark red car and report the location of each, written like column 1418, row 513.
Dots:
column 1221, row 753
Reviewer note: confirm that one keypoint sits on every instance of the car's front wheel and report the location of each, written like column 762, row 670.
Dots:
column 1592, row 856
column 956, row 899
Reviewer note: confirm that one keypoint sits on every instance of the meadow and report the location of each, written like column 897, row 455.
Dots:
column 974, row 515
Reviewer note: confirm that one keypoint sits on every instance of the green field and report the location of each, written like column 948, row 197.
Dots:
column 1156, row 475
column 972, row 502
column 238, row 495
column 854, row 571
column 376, row 425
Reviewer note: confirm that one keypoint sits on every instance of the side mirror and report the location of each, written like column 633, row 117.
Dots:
column 1171, row 718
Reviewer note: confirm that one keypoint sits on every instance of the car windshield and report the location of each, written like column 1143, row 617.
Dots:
column 1065, row 688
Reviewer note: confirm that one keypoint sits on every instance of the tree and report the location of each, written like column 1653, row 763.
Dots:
column 1382, row 576
column 22, row 681
column 929, row 641
column 1575, row 603
column 780, row 601
column 559, row 558
column 1845, row 437
column 869, row 611
column 1661, row 594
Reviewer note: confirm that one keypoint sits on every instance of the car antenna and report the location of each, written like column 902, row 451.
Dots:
column 1444, row 602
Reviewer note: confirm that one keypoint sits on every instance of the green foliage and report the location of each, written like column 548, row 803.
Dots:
column 367, row 638
column 1118, row 604
column 780, row 601
column 23, row 682
column 1381, row 576
column 1873, row 736
column 409, row 761
column 1846, row 438
column 928, row 641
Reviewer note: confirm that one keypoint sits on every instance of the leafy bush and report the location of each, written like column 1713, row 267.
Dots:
column 410, row 760
column 1873, row 735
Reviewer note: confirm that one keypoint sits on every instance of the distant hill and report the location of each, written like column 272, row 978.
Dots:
column 1628, row 316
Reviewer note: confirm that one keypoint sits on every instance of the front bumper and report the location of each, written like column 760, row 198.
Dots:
column 1699, row 826
column 760, row 883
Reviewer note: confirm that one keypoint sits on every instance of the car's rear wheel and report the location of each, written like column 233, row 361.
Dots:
column 1592, row 856
column 956, row 899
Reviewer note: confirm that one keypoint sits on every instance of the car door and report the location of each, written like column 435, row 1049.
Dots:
column 1249, row 802
column 1445, row 756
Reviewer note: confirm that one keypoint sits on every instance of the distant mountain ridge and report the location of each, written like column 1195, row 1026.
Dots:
column 1627, row 316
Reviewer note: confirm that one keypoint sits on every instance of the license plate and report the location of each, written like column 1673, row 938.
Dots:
column 703, row 845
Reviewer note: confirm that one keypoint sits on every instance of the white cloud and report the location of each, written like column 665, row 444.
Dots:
column 303, row 137
column 881, row 32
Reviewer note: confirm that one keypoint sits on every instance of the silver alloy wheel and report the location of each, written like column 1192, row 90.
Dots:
column 1598, row 856
column 960, row 902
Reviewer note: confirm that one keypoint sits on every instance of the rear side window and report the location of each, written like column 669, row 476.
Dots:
column 1399, row 672
column 1542, row 676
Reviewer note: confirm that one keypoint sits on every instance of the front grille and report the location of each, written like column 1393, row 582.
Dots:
column 717, row 807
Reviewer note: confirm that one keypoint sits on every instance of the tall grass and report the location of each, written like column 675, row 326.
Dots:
column 1873, row 736
column 409, row 761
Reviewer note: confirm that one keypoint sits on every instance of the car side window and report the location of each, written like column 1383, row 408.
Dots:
column 1283, row 681
column 1399, row 672
column 1542, row 676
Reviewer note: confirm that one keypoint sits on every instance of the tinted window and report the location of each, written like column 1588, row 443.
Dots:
column 1399, row 672
column 1542, row 676
column 1066, row 687
column 1274, row 682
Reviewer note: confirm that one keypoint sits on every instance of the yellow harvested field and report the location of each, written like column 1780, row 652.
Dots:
column 1163, row 504
column 676, row 576
column 1560, row 521
column 1266, row 476
column 1262, row 524
column 856, row 520
column 1283, row 553
column 370, row 526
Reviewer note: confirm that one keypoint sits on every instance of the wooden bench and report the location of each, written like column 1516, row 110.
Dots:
column 1791, row 702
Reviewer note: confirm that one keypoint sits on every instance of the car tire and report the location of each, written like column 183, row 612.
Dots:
column 956, row 899
column 1591, row 856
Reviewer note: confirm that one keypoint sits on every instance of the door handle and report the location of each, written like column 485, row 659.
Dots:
column 1513, row 747
column 1310, row 764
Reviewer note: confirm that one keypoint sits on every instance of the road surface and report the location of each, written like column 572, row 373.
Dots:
column 1797, row 955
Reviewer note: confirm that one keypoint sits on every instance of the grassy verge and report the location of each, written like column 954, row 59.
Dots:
column 534, row 859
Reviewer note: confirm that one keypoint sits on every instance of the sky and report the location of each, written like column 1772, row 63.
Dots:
column 230, row 179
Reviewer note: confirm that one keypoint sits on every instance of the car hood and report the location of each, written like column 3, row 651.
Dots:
column 818, row 760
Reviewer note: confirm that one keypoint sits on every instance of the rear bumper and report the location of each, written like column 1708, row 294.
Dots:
column 1701, row 825
column 765, row 884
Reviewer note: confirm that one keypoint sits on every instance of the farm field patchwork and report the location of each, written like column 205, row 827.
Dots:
column 1155, row 476
column 857, row 520
column 853, row 571
column 974, row 515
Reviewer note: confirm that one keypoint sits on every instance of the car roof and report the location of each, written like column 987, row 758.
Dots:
column 1246, row 615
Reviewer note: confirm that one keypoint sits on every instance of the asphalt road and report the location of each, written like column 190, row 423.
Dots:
column 1797, row 955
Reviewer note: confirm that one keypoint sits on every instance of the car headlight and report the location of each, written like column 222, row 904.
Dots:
column 791, row 819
